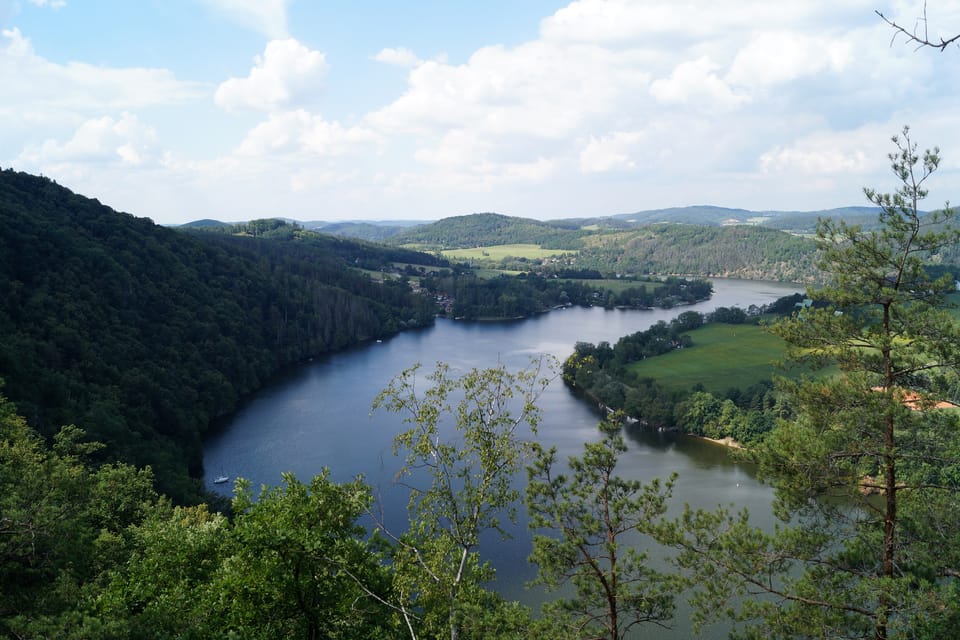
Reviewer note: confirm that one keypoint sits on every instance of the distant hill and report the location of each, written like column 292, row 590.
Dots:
column 142, row 335
column 718, row 249
column 361, row 230
column 468, row 230
column 806, row 221
column 206, row 222
column 482, row 229
column 700, row 214
column 686, row 249
column 707, row 215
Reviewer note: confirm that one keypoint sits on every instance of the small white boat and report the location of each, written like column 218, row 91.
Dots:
column 220, row 479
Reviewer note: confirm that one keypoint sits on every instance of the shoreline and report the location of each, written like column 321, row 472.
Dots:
column 727, row 442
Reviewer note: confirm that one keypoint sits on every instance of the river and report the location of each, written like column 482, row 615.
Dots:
column 318, row 415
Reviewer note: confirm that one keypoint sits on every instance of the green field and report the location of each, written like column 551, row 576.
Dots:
column 618, row 285
column 499, row 252
column 722, row 356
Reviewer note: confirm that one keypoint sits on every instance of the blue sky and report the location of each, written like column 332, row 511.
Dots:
column 314, row 110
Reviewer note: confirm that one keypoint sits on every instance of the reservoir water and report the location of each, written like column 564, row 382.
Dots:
column 318, row 415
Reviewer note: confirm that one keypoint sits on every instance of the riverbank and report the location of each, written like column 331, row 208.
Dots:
column 727, row 442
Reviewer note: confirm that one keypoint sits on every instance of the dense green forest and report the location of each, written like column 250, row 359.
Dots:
column 360, row 230
column 736, row 251
column 519, row 296
column 142, row 335
column 459, row 232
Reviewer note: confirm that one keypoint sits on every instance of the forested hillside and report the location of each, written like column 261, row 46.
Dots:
column 359, row 230
column 141, row 335
column 479, row 229
column 743, row 251
column 736, row 251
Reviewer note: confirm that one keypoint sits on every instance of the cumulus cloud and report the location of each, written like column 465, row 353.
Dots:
column 813, row 161
column 535, row 89
column 778, row 57
column 696, row 83
column 830, row 153
column 610, row 152
column 287, row 74
column 124, row 140
column 32, row 83
column 268, row 17
column 401, row 57
column 478, row 175
column 298, row 131
column 457, row 148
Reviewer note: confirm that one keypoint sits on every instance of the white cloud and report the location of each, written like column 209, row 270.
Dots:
column 536, row 89
column 813, row 161
column 477, row 176
column 401, row 57
column 830, row 153
column 680, row 23
column 53, row 4
column 32, row 83
column 457, row 148
column 298, row 131
column 268, row 17
column 610, row 152
column 288, row 74
column 778, row 57
column 696, row 83
column 103, row 140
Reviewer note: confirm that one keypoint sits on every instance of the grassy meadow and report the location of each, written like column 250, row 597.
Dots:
column 499, row 252
column 722, row 356
column 618, row 285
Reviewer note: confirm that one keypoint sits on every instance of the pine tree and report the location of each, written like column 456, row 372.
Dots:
column 868, row 472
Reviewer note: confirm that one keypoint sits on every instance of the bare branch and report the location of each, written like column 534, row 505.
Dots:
column 920, row 39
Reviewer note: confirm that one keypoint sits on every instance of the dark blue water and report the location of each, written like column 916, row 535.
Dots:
column 319, row 416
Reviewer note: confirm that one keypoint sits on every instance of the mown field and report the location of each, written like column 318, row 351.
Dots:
column 722, row 356
column 619, row 285
column 499, row 252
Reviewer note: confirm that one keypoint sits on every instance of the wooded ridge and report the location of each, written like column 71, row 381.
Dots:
column 142, row 335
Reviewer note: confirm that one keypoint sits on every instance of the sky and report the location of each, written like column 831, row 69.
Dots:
column 334, row 110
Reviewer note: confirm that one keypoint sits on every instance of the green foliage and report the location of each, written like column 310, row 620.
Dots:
column 528, row 293
column 591, row 519
column 294, row 563
column 462, row 482
column 302, row 566
column 63, row 526
column 866, row 474
column 730, row 251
